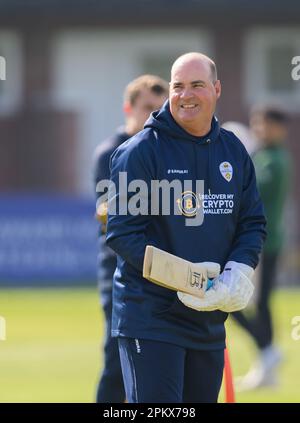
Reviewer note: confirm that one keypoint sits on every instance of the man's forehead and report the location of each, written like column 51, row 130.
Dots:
column 190, row 71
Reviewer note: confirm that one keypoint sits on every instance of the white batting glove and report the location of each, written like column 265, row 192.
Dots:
column 231, row 291
column 213, row 269
column 214, row 298
column 236, row 276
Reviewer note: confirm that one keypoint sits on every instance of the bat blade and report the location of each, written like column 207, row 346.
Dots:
column 174, row 273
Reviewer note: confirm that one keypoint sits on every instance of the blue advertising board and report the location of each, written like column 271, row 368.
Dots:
column 47, row 239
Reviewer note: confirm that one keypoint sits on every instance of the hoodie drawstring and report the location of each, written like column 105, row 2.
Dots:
column 196, row 162
column 208, row 143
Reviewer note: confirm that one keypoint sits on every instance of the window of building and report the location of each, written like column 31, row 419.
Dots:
column 278, row 63
column 268, row 66
column 159, row 64
column 159, row 61
column 10, row 68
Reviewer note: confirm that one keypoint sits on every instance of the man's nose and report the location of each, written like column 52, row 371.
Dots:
column 186, row 92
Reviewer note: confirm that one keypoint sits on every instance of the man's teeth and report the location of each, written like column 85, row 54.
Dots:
column 188, row 106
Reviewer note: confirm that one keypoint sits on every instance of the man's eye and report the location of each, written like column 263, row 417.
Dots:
column 198, row 85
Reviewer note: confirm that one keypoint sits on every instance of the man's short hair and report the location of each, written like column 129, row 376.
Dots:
column 271, row 113
column 213, row 71
column 153, row 83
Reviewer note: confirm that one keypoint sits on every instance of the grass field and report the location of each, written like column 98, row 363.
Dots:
column 52, row 350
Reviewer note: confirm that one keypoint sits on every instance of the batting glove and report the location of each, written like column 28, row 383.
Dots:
column 237, row 277
column 231, row 291
column 212, row 268
column 214, row 298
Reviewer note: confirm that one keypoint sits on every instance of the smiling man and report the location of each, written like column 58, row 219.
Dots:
column 171, row 343
column 194, row 92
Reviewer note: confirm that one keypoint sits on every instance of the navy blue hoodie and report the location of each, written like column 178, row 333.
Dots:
column 233, row 227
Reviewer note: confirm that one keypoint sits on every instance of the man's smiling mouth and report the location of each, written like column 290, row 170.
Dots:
column 188, row 106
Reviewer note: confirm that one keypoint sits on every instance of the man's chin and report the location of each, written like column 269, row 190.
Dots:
column 188, row 119
column 190, row 114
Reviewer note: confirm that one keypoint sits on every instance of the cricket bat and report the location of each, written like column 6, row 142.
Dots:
column 175, row 273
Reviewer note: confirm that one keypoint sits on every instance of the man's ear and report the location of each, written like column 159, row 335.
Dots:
column 127, row 108
column 218, row 88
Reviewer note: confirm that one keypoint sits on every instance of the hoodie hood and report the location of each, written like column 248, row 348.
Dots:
column 162, row 119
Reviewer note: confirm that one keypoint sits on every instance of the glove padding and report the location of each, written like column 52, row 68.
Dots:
column 236, row 276
column 231, row 291
column 212, row 269
column 214, row 299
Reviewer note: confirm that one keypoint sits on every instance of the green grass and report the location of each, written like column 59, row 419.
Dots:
column 52, row 350
column 51, row 353
column 285, row 305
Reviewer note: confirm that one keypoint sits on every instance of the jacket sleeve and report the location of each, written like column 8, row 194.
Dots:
column 101, row 166
column 250, row 231
column 126, row 232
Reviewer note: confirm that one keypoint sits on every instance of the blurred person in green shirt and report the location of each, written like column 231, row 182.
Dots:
column 272, row 165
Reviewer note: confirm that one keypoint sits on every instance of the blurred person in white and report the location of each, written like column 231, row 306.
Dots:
column 268, row 132
column 244, row 134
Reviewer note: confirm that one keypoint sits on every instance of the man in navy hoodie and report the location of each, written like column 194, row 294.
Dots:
column 172, row 344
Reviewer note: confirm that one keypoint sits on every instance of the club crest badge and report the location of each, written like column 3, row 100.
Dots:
column 226, row 171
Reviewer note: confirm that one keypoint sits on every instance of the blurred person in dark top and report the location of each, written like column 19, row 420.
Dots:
column 142, row 96
column 273, row 167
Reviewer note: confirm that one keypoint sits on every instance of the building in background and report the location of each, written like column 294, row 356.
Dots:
column 67, row 63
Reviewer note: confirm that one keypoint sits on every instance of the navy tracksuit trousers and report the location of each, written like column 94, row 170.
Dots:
column 110, row 388
column 159, row 372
